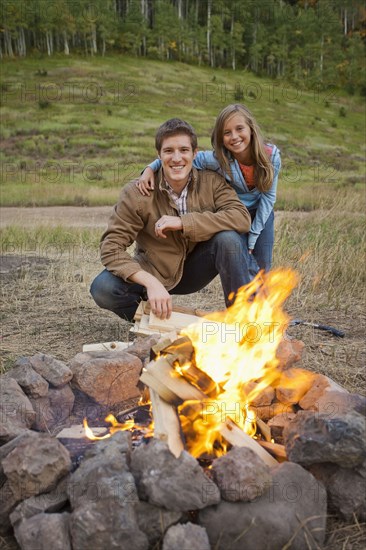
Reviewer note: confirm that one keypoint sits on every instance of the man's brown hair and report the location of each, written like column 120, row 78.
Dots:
column 172, row 127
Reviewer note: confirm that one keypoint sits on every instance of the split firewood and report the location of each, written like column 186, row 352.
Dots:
column 162, row 372
column 264, row 429
column 145, row 308
column 106, row 346
column 139, row 311
column 160, row 388
column 274, row 448
column 235, row 435
column 166, row 423
column 77, row 431
column 176, row 321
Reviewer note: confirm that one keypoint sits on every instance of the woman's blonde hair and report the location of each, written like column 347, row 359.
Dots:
column 263, row 169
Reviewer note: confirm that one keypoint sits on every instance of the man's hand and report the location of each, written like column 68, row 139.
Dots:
column 159, row 298
column 146, row 181
column 167, row 223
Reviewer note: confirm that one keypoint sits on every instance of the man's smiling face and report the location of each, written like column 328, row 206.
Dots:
column 177, row 156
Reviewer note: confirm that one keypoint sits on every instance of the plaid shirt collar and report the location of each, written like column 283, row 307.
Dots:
column 181, row 199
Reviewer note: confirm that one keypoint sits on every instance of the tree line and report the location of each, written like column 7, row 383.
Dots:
column 312, row 42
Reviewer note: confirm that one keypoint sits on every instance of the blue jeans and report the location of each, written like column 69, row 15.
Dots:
column 225, row 254
column 263, row 249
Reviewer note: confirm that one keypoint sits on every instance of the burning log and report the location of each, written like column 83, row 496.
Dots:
column 166, row 423
column 168, row 383
column 168, row 388
column 274, row 448
column 234, row 435
column 264, row 429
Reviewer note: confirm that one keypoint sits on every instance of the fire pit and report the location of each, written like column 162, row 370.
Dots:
column 274, row 442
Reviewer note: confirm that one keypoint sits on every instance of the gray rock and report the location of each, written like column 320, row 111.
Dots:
column 154, row 521
column 44, row 531
column 186, row 537
column 141, row 346
column 16, row 411
column 32, row 383
column 54, row 371
column 241, row 475
column 103, row 497
column 345, row 488
column 53, row 501
column 61, row 402
column 106, row 523
column 108, row 377
column 177, row 484
column 311, row 438
column 52, row 408
column 293, row 512
column 10, row 446
column 8, row 501
column 36, row 465
column 44, row 420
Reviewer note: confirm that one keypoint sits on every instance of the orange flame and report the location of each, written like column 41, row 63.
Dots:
column 237, row 346
column 115, row 427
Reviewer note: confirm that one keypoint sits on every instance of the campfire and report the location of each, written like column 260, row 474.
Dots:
column 202, row 385
column 237, row 438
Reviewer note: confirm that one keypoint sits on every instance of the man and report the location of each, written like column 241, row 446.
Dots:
column 186, row 233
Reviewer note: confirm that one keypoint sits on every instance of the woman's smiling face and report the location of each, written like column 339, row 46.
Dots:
column 237, row 137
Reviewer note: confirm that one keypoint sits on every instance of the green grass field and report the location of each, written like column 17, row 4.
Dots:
column 74, row 131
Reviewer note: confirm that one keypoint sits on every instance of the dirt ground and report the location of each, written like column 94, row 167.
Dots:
column 46, row 307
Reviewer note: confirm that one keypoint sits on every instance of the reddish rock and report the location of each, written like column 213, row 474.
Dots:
column 16, row 411
column 334, row 402
column 36, row 465
column 278, row 424
column 321, row 384
column 269, row 411
column 107, row 377
column 289, row 352
column 263, row 398
column 293, row 385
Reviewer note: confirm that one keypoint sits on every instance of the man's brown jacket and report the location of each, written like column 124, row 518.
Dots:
column 212, row 204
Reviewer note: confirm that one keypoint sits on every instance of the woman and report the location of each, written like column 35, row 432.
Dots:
column 249, row 165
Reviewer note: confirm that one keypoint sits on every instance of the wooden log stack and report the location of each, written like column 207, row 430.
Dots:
column 172, row 382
